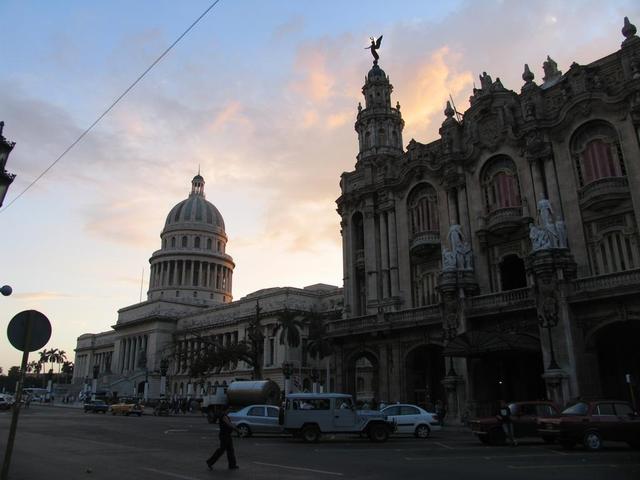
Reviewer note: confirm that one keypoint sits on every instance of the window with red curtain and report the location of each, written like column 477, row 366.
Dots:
column 505, row 192
column 597, row 162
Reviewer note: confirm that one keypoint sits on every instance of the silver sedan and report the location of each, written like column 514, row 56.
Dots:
column 256, row 419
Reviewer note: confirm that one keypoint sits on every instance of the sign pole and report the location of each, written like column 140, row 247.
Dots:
column 16, row 406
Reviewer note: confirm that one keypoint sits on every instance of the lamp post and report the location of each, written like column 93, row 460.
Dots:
column 287, row 370
column 547, row 319
column 5, row 177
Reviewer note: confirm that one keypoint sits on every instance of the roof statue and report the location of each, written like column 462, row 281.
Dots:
column 375, row 45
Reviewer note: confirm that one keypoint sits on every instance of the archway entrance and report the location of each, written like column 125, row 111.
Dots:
column 362, row 377
column 618, row 355
column 511, row 375
column 425, row 369
column 512, row 273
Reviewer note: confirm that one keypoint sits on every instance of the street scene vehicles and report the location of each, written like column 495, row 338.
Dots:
column 257, row 419
column 6, row 401
column 411, row 419
column 592, row 423
column 240, row 394
column 524, row 416
column 310, row 415
column 96, row 406
column 124, row 408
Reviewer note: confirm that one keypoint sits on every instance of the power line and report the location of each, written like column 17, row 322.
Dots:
column 113, row 104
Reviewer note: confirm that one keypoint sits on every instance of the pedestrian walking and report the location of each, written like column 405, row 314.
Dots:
column 226, row 442
column 504, row 416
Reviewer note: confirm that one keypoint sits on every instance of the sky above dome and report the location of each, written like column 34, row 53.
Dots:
column 261, row 96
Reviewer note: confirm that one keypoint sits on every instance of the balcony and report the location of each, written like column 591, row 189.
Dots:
column 505, row 220
column 606, row 286
column 385, row 321
column 424, row 243
column 604, row 193
column 511, row 300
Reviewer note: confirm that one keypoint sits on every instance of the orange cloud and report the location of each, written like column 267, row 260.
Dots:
column 428, row 91
column 231, row 113
column 314, row 80
column 339, row 119
column 39, row 296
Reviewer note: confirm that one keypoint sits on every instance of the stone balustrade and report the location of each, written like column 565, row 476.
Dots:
column 630, row 278
column 385, row 321
column 510, row 300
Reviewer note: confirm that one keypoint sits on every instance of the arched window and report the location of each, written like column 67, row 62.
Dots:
column 184, row 242
column 423, row 209
column 173, row 242
column 500, row 184
column 208, row 244
column 596, row 153
column 197, row 242
column 382, row 137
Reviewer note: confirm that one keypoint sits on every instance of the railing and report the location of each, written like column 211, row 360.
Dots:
column 502, row 215
column 421, row 315
column 515, row 297
column 604, row 186
column 607, row 281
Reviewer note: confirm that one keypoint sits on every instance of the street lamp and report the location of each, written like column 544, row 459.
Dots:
column 5, row 177
column 287, row 370
column 548, row 318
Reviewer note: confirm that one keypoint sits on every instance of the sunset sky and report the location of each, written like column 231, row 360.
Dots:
column 261, row 96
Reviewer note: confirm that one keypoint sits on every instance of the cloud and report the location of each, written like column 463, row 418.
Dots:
column 41, row 296
column 295, row 24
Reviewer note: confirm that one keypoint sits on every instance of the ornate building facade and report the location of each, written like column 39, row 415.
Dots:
column 501, row 261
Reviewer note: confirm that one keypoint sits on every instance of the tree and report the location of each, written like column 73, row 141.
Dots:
column 61, row 358
column 67, row 370
column 289, row 325
column 44, row 359
column 319, row 345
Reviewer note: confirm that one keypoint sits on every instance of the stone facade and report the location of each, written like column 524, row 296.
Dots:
column 509, row 246
column 500, row 261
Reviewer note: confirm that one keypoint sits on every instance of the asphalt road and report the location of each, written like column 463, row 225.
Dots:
column 64, row 443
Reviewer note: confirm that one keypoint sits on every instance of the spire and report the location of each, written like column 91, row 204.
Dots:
column 527, row 75
column 629, row 29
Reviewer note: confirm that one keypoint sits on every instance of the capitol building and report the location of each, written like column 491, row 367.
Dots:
column 500, row 261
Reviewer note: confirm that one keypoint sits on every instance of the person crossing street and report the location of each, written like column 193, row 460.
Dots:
column 226, row 442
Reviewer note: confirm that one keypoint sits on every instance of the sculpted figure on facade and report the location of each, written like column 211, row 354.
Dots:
column 548, row 233
column 460, row 257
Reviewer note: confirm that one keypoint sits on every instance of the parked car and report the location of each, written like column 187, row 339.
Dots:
column 309, row 415
column 6, row 401
column 591, row 423
column 257, row 419
column 524, row 416
column 96, row 406
column 126, row 409
column 412, row 419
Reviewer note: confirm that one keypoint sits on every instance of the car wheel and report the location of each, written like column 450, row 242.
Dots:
column 592, row 441
column 423, row 431
column 310, row 434
column 378, row 433
column 244, row 430
column 496, row 437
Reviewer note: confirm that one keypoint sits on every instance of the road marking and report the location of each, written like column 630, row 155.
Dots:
column 443, row 445
column 169, row 474
column 173, row 430
column 466, row 457
column 299, row 468
column 574, row 465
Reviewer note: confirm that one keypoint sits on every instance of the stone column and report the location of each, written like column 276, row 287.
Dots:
column 184, row 273
column 393, row 254
column 370, row 257
column 464, row 213
column 452, row 200
column 537, row 180
column 347, row 265
column 384, row 255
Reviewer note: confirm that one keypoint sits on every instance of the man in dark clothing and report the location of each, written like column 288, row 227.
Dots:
column 504, row 416
column 226, row 443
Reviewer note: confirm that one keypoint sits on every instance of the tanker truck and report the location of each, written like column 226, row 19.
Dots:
column 239, row 394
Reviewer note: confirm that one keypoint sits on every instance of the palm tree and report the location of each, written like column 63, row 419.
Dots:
column 289, row 324
column 44, row 359
column 67, row 369
column 60, row 359
column 319, row 345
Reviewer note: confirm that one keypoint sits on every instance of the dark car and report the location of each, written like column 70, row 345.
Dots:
column 591, row 423
column 96, row 406
column 524, row 416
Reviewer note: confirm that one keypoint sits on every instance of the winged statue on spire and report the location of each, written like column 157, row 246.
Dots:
column 375, row 45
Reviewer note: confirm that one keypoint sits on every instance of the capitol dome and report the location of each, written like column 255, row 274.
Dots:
column 195, row 209
column 192, row 265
